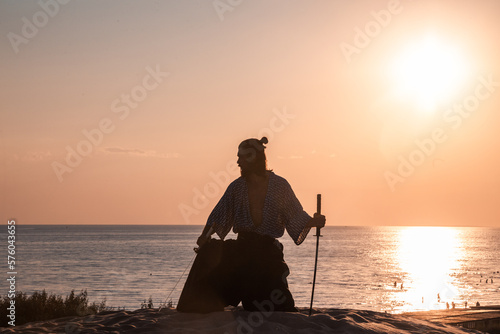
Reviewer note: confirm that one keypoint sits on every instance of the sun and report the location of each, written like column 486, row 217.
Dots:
column 429, row 71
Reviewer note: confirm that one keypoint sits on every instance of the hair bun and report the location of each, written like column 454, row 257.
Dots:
column 263, row 140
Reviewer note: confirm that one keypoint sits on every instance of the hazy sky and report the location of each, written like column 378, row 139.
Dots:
column 130, row 112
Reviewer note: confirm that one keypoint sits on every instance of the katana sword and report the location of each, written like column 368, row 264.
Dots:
column 318, row 234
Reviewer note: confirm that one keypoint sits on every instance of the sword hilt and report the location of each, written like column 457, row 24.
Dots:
column 318, row 210
column 318, row 203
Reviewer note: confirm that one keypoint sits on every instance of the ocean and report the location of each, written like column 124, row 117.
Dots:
column 393, row 269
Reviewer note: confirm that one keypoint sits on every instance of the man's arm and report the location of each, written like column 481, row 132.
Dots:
column 317, row 221
column 221, row 219
column 205, row 235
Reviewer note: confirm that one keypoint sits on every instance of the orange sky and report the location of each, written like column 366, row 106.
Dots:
column 154, row 98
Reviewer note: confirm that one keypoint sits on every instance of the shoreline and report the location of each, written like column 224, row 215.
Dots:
column 235, row 320
column 482, row 318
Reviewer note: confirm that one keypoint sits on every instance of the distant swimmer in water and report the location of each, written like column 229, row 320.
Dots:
column 401, row 286
column 395, row 284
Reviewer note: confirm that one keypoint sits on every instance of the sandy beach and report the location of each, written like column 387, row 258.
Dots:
column 237, row 321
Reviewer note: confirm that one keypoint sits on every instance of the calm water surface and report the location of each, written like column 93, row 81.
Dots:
column 358, row 267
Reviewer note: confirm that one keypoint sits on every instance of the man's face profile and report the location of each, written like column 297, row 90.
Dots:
column 246, row 159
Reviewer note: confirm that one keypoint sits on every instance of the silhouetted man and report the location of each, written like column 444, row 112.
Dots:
column 259, row 206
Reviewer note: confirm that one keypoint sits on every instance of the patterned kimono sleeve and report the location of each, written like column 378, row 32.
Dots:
column 222, row 217
column 296, row 218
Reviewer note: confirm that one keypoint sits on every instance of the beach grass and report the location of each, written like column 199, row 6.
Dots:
column 41, row 306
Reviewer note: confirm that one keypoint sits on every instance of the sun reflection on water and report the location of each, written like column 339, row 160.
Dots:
column 428, row 256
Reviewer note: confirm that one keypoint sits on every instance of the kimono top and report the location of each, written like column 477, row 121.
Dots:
column 282, row 210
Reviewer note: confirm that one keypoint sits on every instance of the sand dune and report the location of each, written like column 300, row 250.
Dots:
column 236, row 321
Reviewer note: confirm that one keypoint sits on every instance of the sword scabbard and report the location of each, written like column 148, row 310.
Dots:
column 318, row 231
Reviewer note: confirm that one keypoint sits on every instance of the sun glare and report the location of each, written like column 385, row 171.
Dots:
column 429, row 71
column 428, row 255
